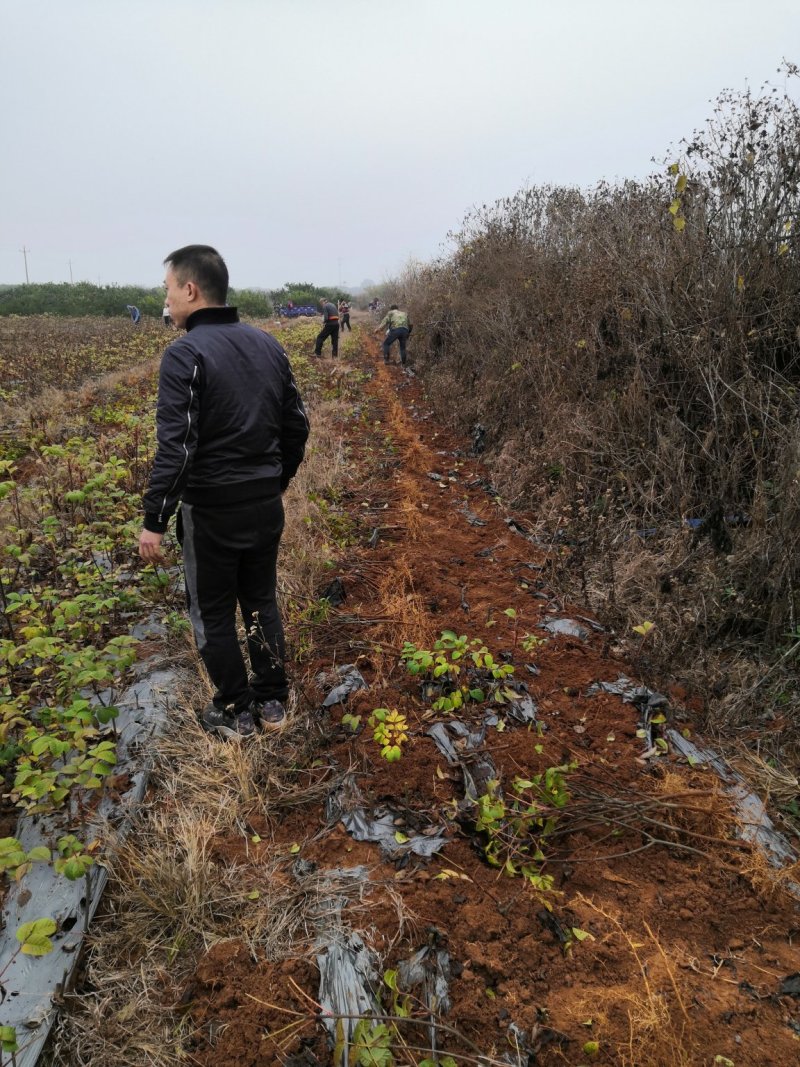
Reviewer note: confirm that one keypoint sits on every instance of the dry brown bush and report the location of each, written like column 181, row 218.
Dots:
column 637, row 380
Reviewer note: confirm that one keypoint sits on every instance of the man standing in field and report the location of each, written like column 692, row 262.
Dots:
column 397, row 329
column 330, row 328
column 344, row 316
column 231, row 434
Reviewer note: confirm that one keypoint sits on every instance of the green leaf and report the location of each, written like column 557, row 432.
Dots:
column 35, row 937
column 40, row 854
column 581, row 935
column 8, row 1039
column 400, row 838
column 294, row 849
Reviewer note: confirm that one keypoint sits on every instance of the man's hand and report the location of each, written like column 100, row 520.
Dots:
column 150, row 546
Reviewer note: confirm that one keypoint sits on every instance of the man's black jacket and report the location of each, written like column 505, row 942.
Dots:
column 231, row 424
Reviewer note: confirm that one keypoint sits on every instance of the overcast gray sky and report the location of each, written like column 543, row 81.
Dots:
column 332, row 141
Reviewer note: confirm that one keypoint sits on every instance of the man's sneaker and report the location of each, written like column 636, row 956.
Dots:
column 234, row 727
column 270, row 714
column 212, row 717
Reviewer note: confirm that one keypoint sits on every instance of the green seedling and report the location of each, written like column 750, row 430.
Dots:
column 390, row 731
column 15, row 861
column 465, row 669
column 516, row 826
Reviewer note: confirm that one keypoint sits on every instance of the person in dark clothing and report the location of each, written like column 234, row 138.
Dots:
column 344, row 316
column 231, row 431
column 397, row 329
column 330, row 328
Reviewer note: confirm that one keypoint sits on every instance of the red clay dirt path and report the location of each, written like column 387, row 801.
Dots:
column 689, row 940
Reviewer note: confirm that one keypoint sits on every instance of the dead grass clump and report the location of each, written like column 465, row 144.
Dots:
column 656, row 1013
column 770, row 781
column 768, row 881
column 403, row 608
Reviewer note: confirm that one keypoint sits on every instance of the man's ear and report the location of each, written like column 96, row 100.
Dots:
column 192, row 292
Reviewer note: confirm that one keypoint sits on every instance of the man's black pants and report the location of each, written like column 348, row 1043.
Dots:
column 230, row 556
column 330, row 329
column 346, row 322
column 399, row 334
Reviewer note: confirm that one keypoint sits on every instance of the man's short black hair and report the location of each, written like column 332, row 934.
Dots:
column 204, row 266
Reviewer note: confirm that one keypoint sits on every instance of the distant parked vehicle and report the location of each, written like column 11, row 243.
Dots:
column 294, row 312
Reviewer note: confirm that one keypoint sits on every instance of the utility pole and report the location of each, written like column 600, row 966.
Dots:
column 25, row 252
column 70, row 272
column 340, row 272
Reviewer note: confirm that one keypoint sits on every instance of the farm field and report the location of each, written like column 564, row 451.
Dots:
column 496, row 861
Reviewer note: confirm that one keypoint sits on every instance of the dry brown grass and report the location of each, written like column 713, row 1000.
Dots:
column 657, row 1016
column 180, row 882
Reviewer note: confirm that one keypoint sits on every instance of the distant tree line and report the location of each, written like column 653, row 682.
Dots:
column 83, row 298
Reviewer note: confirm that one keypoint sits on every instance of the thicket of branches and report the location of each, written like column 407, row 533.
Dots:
column 633, row 353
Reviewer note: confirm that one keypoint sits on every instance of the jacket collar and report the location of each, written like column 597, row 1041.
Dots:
column 212, row 316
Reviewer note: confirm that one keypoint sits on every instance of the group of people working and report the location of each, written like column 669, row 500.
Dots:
column 395, row 323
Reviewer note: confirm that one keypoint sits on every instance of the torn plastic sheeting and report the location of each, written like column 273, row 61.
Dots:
column 523, row 709
column 483, row 484
column 516, row 528
column 757, row 827
column 477, row 768
column 30, row 983
column 565, row 628
column 381, row 829
column 645, row 700
column 429, row 968
column 468, row 739
column 478, row 434
column 347, row 974
column 471, row 517
column 630, row 692
column 334, row 593
column 352, row 681
column 478, row 772
column 152, row 627
column 345, row 804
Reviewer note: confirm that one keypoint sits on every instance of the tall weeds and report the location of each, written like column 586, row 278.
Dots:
column 633, row 354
